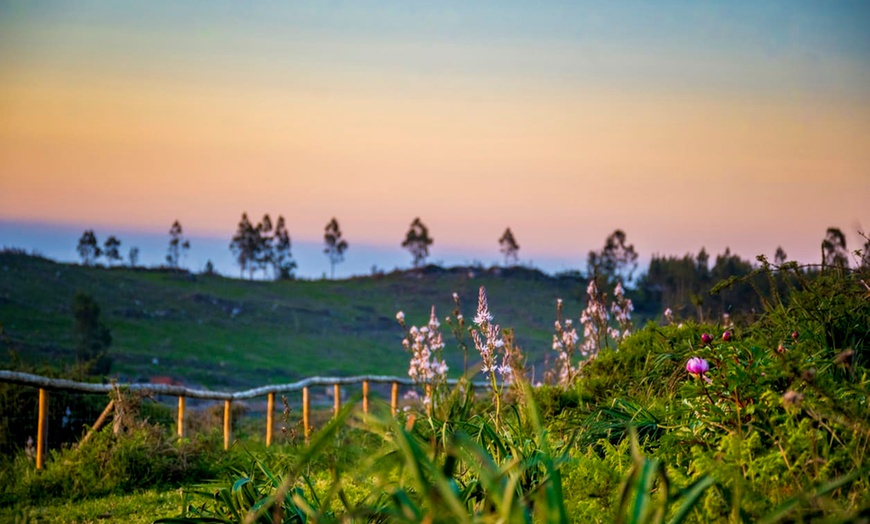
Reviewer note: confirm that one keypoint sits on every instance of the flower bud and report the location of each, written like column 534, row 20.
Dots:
column 726, row 336
column 794, row 335
column 706, row 338
column 697, row 366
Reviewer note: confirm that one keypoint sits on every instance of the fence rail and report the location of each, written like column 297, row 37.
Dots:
column 46, row 384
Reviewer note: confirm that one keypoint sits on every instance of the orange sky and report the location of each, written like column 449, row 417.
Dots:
column 562, row 160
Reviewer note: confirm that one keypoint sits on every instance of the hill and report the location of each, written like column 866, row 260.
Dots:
column 229, row 333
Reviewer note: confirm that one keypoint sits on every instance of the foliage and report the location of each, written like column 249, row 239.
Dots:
column 417, row 241
column 509, row 247
column 178, row 246
column 616, row 261
column 88, row 248
column 834, row 252
column 335, row 245
column 254, row 247
column 133, row 256
column 756, row 421
column 112, row 249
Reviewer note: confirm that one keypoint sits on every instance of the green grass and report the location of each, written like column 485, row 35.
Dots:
column 230, row 333
column 134, row 508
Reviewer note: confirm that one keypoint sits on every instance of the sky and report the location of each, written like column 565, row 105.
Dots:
column 686, row 124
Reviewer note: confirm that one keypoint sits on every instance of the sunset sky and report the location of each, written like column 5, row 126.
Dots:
column 686, row 124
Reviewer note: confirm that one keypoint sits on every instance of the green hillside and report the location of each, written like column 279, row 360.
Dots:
column 228, row 333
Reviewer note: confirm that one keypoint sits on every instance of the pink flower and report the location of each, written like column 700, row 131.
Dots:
column 794, row 335
column 726, row 336
column 706, row 338
column 697, row 366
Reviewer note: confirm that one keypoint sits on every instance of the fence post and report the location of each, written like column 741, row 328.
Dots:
column 336, row 389
column 40, row 428
column 306, row 423
column 394, row 399
column 269, row 422
column 181, row 416
column 366, row 397
column 227, row 415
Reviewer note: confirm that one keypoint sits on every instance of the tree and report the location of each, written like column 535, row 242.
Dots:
column 264, row 239
column 133, row 256
column 112, row 249
column 779, row 258
column 335, row 245
column 245, row 245
column 177, row 245
column 209, row 269
column 616, row 260
column 282, row 261
column 89, row 248
column 834, row 251
column 417, row 241
column 509, row 247
column 92, row 337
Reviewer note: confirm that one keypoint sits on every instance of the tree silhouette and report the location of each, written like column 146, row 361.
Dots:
column 335, row 245
column 417, row 241
column 617, row 260
column 89, row 248
column 282, row 260
column 834, row 251
column 509, row 247
column 92, row 337
column 133, row 256
column 264, row 238
column 245, row 246
column 177, row 245
column 112, row 249
column 780, row 258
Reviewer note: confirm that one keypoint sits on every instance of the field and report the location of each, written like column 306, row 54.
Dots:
column 763, row 421
column 233, row 334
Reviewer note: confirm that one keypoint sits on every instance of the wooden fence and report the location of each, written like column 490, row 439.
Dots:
column 46, row 384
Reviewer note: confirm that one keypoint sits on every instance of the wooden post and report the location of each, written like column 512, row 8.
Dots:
column 336, row 389
column 107, row 412
column 180, row 417
column 394, row 399
column 269, row 422
column 306, row 411
column 366, row 397
column 227, row 411
column 40, row 427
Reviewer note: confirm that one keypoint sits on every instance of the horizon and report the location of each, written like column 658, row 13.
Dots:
column 58, row 243
column 727, row 124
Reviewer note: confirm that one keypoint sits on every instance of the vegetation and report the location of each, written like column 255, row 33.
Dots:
column 764, row 421
column 509, row 247
column 178, row 246
column 335, row 245
column 417, row 242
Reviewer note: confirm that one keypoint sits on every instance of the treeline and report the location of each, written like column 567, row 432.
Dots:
column 693, row 287
column 681, row 283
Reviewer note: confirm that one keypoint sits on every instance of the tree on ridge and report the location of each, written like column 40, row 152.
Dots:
column 88, row 247
column 417, row 241
column 509, row 247
column 178, row 246
column 112, row 248
column 335, row 245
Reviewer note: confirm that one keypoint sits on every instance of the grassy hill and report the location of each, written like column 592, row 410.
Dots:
column 229, row 333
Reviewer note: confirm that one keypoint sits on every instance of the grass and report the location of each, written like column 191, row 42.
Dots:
column 775, row 430
column 230, row 333
column 132, row 508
